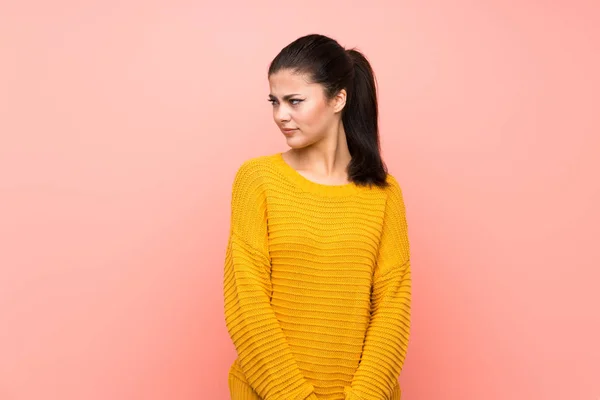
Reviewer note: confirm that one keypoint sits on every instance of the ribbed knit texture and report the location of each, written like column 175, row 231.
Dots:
column 317, row 286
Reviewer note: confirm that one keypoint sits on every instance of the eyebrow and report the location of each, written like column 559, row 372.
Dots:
column 286, row 97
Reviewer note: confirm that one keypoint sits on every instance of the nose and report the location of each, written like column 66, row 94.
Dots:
column 281, row 114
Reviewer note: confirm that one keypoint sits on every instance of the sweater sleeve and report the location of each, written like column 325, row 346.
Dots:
column 386, row 340
column 262, row 348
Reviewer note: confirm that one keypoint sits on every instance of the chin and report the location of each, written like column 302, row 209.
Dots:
column 296, row 144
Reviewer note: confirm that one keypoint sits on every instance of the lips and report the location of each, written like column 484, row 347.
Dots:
column 288, row 131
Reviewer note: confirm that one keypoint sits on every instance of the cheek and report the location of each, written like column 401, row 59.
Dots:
column 311, row 117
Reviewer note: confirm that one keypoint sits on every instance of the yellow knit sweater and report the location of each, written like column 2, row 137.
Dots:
column 317, row 286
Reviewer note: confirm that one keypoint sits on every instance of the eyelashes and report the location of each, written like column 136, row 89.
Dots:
column 293, row 102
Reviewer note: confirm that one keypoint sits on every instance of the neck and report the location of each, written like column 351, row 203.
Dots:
column 327, row 158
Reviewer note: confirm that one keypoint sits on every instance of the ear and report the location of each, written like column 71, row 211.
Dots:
column 339, row 101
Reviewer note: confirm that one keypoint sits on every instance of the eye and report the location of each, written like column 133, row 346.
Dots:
column 295, row 102
column 272, row 101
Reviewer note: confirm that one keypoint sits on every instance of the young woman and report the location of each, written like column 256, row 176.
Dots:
column 317, row 279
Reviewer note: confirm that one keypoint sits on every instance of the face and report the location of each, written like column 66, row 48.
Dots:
column 301, row 110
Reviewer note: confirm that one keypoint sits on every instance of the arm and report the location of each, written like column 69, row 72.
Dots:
column 264, row 354
column 387, row 336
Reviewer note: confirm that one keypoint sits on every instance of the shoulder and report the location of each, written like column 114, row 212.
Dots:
column 254, row 165
column 251, row 169
column 394, row 194
column 250, row 176
column 393, row 187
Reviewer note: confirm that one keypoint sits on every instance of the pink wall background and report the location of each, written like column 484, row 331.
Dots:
column 122, row 124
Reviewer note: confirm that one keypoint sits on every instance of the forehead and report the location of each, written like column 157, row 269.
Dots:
column 287, row 81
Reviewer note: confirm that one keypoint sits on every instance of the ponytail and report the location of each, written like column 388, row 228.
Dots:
column 360, row 119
